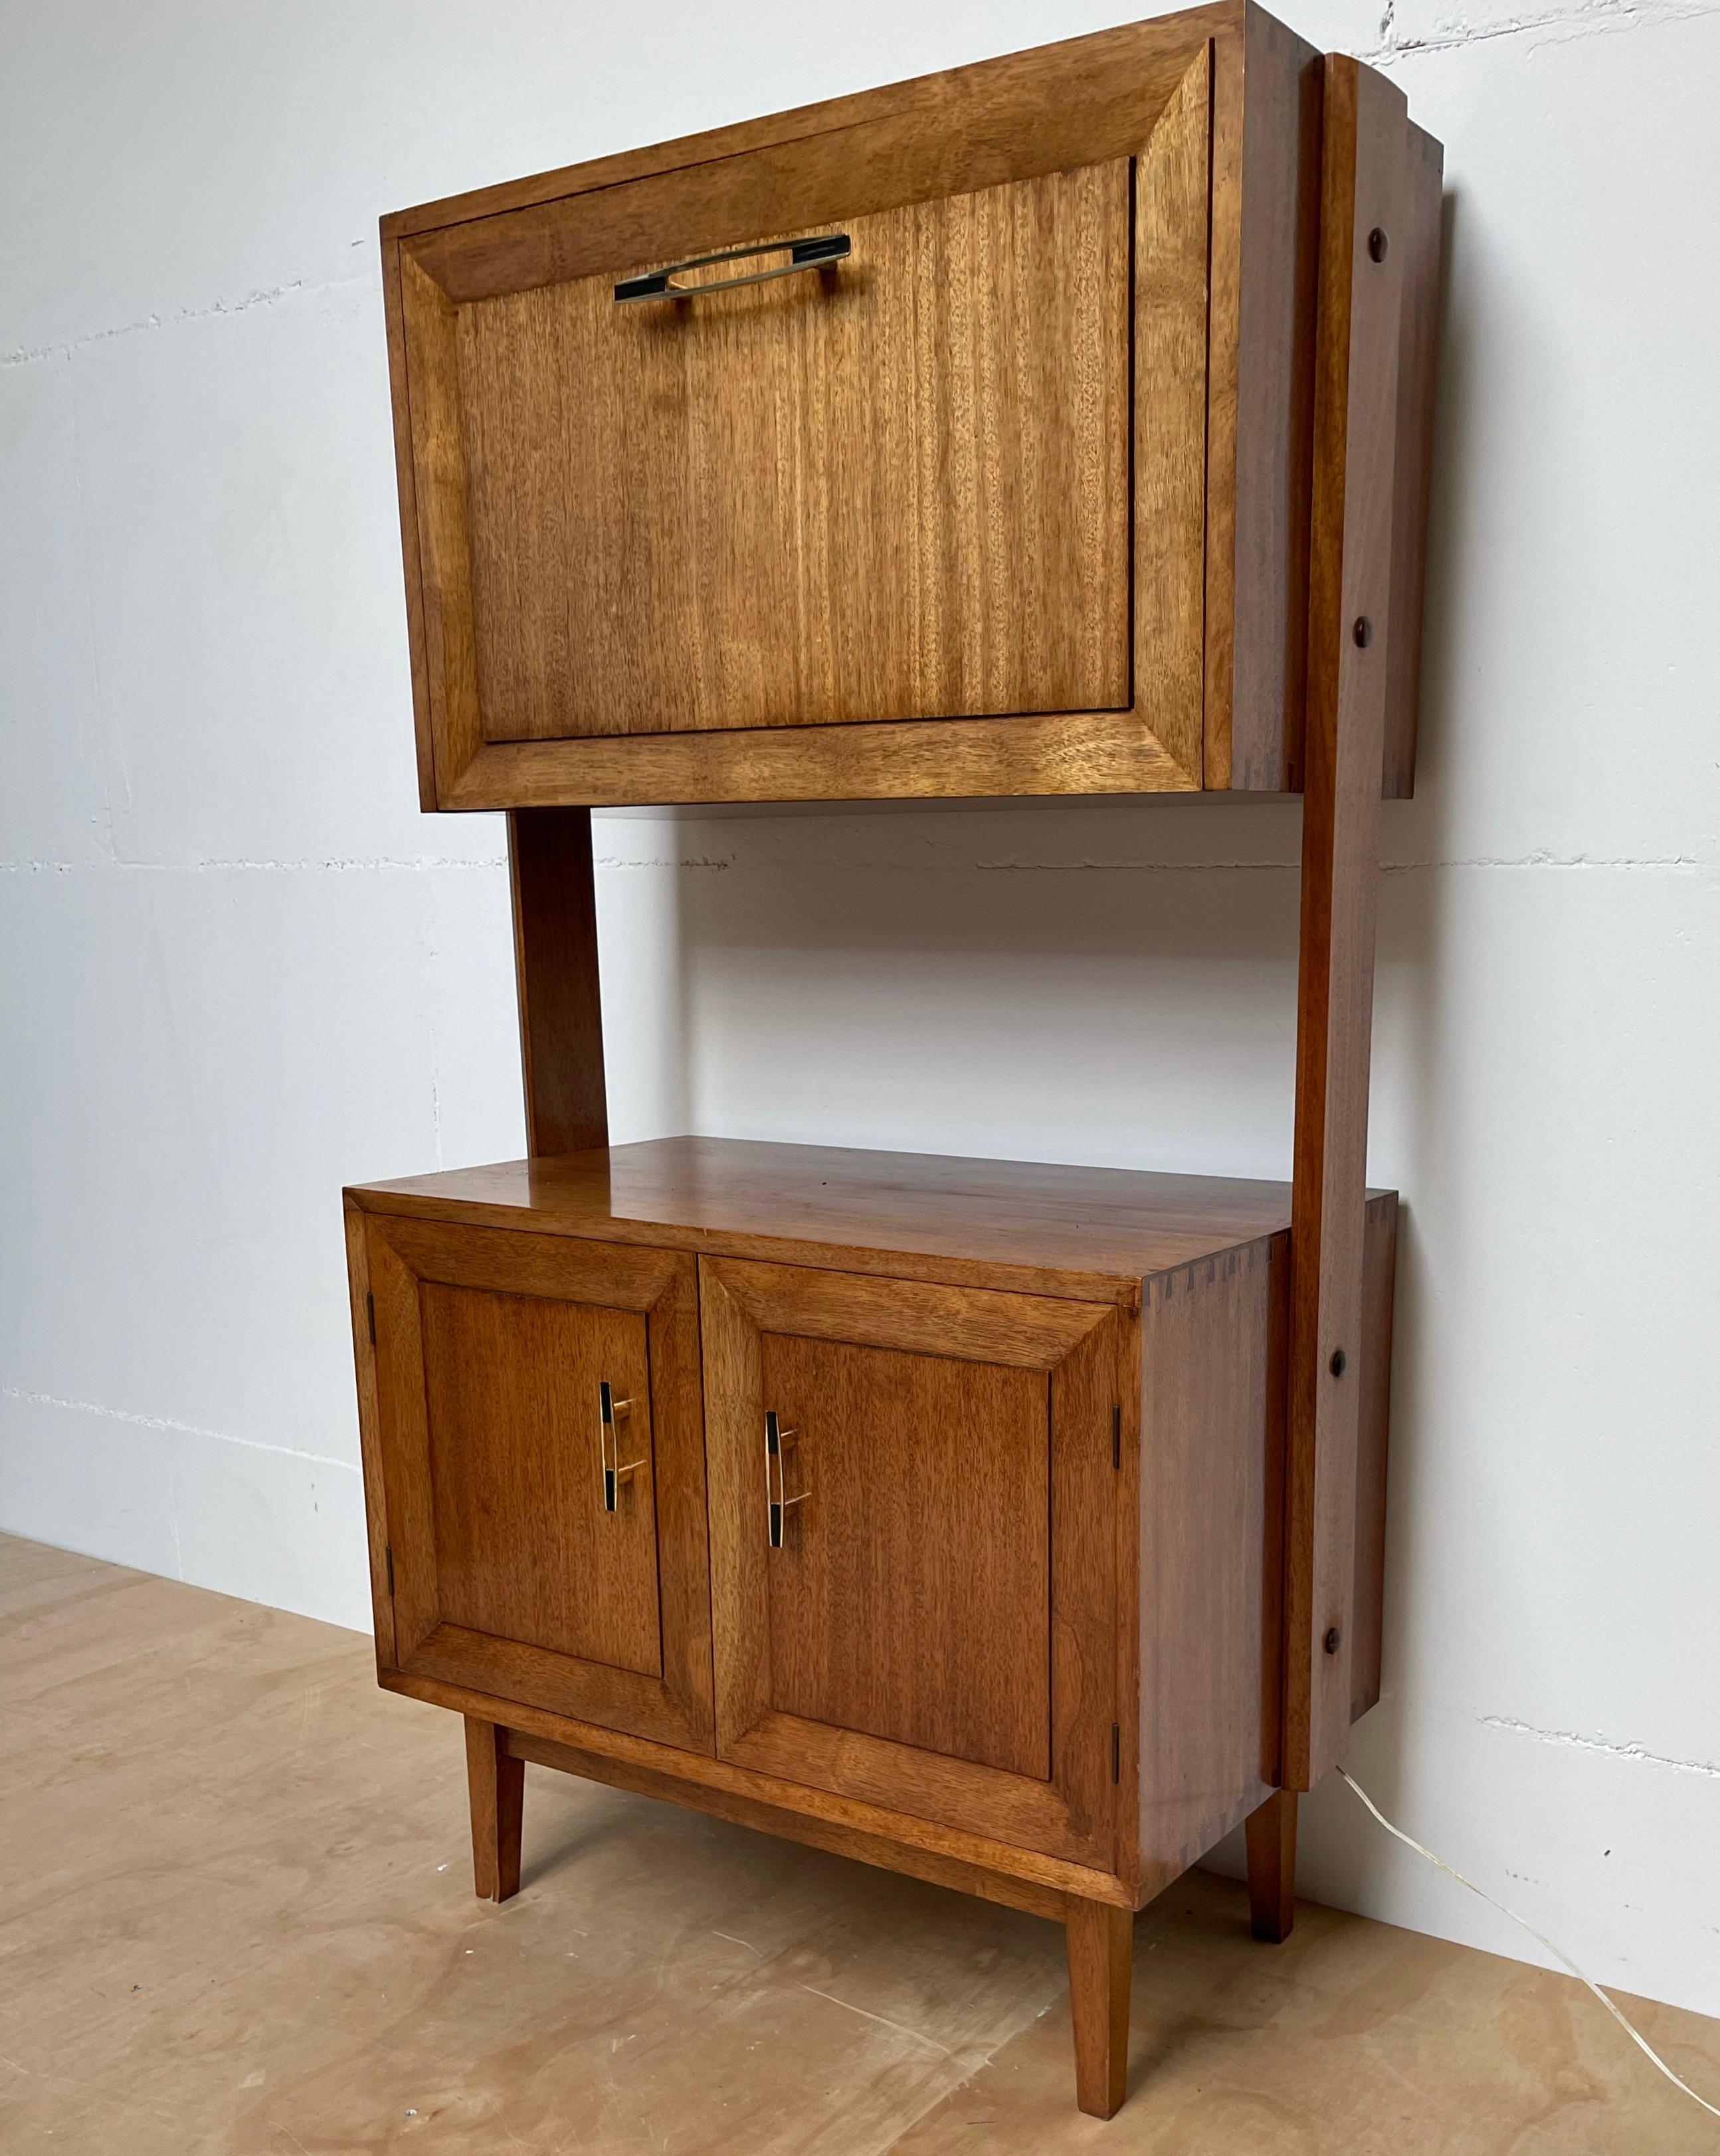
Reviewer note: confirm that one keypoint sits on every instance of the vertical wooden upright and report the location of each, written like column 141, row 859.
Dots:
column 556, row 963
column 1356, row 371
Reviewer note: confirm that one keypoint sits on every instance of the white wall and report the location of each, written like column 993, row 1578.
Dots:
column 240, row 969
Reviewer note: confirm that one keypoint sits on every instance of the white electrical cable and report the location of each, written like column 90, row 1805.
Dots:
column 1642, row 2042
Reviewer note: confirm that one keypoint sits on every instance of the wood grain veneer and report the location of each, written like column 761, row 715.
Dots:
column 1089, row 1233
column 943, row 531
column 1037, row 516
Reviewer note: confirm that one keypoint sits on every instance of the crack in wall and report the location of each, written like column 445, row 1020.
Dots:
column 1638, row 1753
column 167, row 1423
column 1569, row 24
column 298, row 288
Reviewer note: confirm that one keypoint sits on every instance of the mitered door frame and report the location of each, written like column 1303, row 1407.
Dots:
column 661, row 1285
column 1073, row 1813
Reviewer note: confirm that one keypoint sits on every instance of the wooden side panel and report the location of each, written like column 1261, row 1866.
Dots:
column 1348, row 644
column 400, row 403
column 1209, row 1535
column 1086, row 1563
column 911, row 1598
column 402, row 1506
column 364, row 1361
column 1172, row 247
column 1379, row 1284
column 438, row 488
column 1262, row 450
column 895, row 488
column 1420, row 238
column 556, row 970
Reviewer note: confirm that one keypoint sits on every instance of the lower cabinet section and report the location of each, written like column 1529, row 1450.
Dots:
column 976, row 1575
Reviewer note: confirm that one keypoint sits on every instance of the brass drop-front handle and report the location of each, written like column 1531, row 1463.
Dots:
column 612, row 1412
column 778, row 1443
column 817, row 253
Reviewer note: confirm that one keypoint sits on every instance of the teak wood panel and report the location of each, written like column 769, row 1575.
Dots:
column 522, row 1549
column 508, row 1573
column 865, row 1537
column 1172, row 250
column 1213, row 1339
column 911, row 1598
column 893, row 488
column 1090, row 1234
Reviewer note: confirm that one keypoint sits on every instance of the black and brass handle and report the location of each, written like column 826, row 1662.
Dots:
column 813, row 254
column 778, row 1443
column 611, row 1414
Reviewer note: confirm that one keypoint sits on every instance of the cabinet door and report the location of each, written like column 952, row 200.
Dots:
column 892, row 483
column 544, row 1550
column 914, row 1518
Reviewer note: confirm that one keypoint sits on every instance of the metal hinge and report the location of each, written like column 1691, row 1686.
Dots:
column 1116, row 1752
column 1116, row 1436
column 389, row 1560
column 370, row 1312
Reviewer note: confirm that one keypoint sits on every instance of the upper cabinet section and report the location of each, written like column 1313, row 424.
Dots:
column 891, row 447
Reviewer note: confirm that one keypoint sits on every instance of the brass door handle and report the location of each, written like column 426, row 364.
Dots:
column 778, row 1443
column 815, row 253
column 611, row 1412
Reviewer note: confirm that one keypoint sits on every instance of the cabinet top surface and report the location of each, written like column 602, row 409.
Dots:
column 1094, row 1229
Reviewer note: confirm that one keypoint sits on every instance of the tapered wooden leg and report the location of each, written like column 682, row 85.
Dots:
column 1102, row 1944
column 497, row 1784
column 1271, row 1868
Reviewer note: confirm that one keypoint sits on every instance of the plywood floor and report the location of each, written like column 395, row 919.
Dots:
column 236, row 1915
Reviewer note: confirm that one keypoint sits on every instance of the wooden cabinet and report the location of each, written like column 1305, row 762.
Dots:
column 993, row 1458
column 956, row 437
column 1060, row 424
